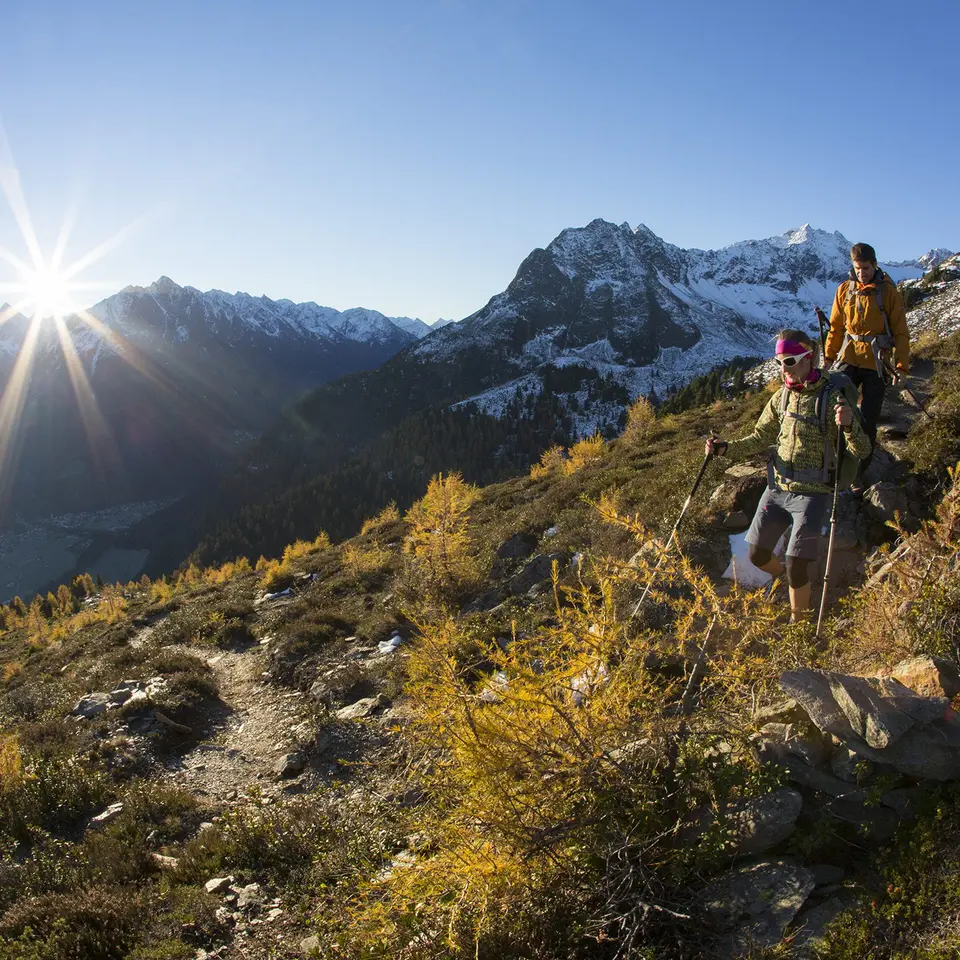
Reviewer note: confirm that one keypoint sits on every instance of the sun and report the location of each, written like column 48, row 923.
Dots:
column 48, row 293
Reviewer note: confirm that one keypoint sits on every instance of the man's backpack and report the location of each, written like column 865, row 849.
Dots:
column 849, row 464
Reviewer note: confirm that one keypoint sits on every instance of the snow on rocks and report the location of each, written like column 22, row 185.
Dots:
column 391, row 645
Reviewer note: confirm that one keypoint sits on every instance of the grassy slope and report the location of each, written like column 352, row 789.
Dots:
column 107, row 889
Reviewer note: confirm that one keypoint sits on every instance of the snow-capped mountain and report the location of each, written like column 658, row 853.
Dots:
column 649, row 315
column 177, row 378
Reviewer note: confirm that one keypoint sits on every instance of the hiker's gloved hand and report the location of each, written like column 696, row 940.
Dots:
column 843, row 413
column 715, row 446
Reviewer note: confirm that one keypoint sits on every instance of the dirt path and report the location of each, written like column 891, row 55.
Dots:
column 247, row 748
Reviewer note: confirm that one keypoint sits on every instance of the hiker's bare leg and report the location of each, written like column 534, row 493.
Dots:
column 800, row 601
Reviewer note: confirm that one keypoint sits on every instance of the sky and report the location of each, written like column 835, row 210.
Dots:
column 406, row 155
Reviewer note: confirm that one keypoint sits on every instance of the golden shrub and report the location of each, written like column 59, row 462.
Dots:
column 589, row 450
column 389, row 514
column 640, row 420
column 551, row 462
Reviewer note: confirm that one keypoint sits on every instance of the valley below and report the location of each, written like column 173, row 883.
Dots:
column 42, row 553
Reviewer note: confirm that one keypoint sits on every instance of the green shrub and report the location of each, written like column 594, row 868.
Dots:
column 51, row 796
column 86, row 924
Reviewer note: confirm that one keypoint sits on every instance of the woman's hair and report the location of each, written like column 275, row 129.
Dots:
column 863, row 252
column 799, row 336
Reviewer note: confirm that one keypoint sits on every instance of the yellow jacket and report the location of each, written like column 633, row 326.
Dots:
column 857, row 312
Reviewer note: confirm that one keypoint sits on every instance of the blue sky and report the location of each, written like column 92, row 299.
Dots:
column 407, row 156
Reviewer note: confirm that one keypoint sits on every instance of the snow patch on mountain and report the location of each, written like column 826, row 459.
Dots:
column 604, row 295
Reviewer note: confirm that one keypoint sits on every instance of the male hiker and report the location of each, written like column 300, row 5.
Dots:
column 867, row 321
column 801, row 421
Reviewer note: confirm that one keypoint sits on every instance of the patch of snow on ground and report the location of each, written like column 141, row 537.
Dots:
column 740, row 568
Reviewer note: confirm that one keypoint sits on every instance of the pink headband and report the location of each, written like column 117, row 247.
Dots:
column 792, row 347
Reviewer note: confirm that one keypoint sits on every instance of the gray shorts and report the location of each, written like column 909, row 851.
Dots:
column 803, row 512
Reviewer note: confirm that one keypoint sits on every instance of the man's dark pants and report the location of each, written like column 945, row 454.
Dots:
column 872, row 389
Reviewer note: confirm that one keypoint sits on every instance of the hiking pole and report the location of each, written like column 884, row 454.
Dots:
column 900, row 382
column 673, row 534
column 833, row 530
column 821, row 320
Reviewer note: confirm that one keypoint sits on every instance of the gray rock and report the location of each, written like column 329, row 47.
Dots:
column 811, row 927
column 783, row 711
column 874, row 823
column 921, row 734
column 333, row 688
column 826, row 873
column 784, row 741
column 760, row 824
column 92, row 705
column 736, row 520
column 536, row 571
column 882, row 465
column 363, row 708
column 929, row 676
column 486, row 601
column 821, row 782
column 520, row 545
column 886, row 500
column 250, row 897
column 872, row 716
column 309, row 945
column 903, row 800
column 811, row 690
column 751, row 905
column 846, row 536
column 665, row 664
column 849, row 766
column 218, row 884
column 291, row 764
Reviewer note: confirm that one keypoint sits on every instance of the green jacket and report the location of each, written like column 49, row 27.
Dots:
column 799, row 443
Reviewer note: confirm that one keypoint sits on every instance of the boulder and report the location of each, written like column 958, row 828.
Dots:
column 291, row 765
column 786, row 740
column 751, row 905
column 250, row 897
column 92, row 705
column 309, row 946
column 743, row 485
column 811, row 928
column 827, row 874
column 882, row 468
column 929, row 676
column 106, row 816
column 849, row 766
column 736, row 521
column 218, row 884
column 819, row 781
column 882, row 720
column 760, row 824
column 783, row 711
column 904, row 801
column 537, row 570
column 887, row 500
